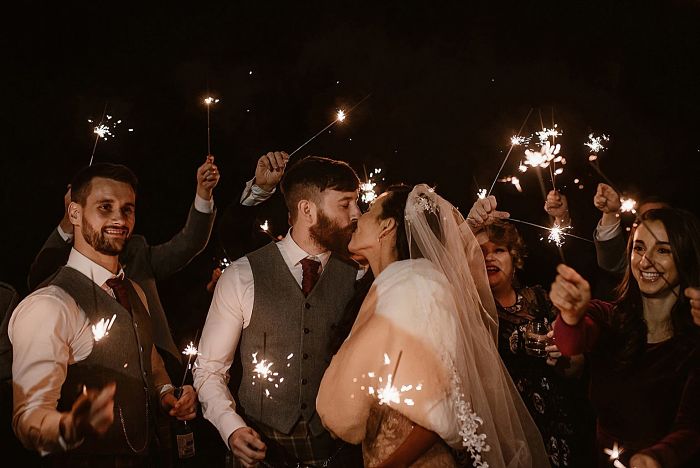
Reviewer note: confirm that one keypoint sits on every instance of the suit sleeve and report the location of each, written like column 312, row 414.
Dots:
column 611, row 253
column 175, row 254
column 53, row 255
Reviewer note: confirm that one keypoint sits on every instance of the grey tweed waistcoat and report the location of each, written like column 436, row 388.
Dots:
column 123, row 356
column 292, row 332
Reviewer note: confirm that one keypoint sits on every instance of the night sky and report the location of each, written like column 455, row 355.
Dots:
column 450, row 83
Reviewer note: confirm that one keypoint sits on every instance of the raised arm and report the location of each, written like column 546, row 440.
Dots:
column 175, row 254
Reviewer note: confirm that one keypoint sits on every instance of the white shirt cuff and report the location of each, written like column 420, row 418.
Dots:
column 604, row 233
column 253, row 195
column 64, row 235
column 230, row 423
column 202, row 205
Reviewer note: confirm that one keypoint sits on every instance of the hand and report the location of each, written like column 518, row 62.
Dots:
column 694, row 295
column 183, row 408
column 606, row 199
column 640, row 460
column 483, row 213
column 65, row 223
column 91, row 413
column 557, row 206
column 207, row 178
column 247, row 446
column 270, row 169
column 215, row 275
column 570, row 294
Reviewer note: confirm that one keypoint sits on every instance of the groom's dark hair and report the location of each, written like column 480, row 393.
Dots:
column 312, row 175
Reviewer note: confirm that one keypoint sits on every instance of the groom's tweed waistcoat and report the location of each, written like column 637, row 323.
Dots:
column 292, row 332
column 123, row 356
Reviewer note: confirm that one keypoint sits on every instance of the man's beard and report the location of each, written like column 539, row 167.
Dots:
column 100, row 242
column 329, row 235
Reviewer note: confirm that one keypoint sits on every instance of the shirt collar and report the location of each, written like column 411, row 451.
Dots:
column 295, row 254
column 92, row 270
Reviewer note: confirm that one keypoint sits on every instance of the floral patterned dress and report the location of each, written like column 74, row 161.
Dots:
column 558, row 405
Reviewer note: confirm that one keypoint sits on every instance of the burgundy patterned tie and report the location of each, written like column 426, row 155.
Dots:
column 119, row 288
column 310, row 269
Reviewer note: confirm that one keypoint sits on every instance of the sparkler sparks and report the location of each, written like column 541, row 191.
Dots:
column 614, row 454
column 101, row 328
column 556, row 234
column 263, row 372
column 595, row 144
column 209, row 101
column 481, row 194
column 224, row 263
column 367, row 188
column 548, row 133
column 190, row 350
column 516, row 140
column 265, row 226
column 340, row 115
column 513, row 180
column 543, row 157
column 104, row 130
column 628, row 205
column 384, row 389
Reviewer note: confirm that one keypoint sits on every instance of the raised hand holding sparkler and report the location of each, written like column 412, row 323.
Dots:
column 270, row 169
column 91, row 413
column 570, row 293
column 557, row 206
column 207, row 178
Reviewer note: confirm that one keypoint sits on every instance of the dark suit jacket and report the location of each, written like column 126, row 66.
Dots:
column 611, row 254
column 143, row 263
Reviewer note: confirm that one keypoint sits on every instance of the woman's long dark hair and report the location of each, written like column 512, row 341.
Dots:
column 393, row 206
column 630, row 330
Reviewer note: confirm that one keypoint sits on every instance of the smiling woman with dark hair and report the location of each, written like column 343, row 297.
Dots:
column 644, row 349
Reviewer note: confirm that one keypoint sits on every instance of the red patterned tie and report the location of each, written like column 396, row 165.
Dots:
column 310, row 269
column 119, row 288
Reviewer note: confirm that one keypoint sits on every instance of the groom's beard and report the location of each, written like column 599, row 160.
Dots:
column 330, row 235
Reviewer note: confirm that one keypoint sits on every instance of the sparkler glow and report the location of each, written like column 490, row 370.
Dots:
column 548, row 133
column 101, row 328
column 513, row 180
column 481, row 194
column 614, row 454
column 519, row 140
column 556, row 234
column 265, row 226
column 628, row 205
column 543, row 157
column 595, row 143
column 340, row 116
column 384, row 390
column 103, row 130
column 209, row 101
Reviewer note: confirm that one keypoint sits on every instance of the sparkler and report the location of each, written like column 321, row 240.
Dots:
column 368, row 188
column 555, row 234
column 595, row 145
column 513, row 180
column 101, row 328
column 513, row 139
column 340, row 116
column 614, row 454
column 387, row 392
column 628, row 205
column 209, row 101
column 481, row 193
column 189, row 351
column 224, row 263
column 561, row 231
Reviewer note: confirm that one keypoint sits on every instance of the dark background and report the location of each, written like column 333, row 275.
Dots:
column 450, row 82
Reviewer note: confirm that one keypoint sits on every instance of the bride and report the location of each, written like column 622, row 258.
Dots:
column 418, row 381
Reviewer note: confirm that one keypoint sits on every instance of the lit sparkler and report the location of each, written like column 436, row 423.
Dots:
column 516, row 140
column 224, row 263
column 103, row 130
column 595, row 143
column 628, row 205
column 543, row 156
column 265, row 226
column 209, row 101
column 367, row 189
column 481, row 194
column 340, row 116
column 513, row 180
column 512, row 145
column 190, row 351
column 548, row 133
column 101, row 328
column 384, row 390
column 556, row 234
column 614, row 454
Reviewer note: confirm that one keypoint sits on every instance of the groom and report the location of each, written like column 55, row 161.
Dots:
column 279, row 306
